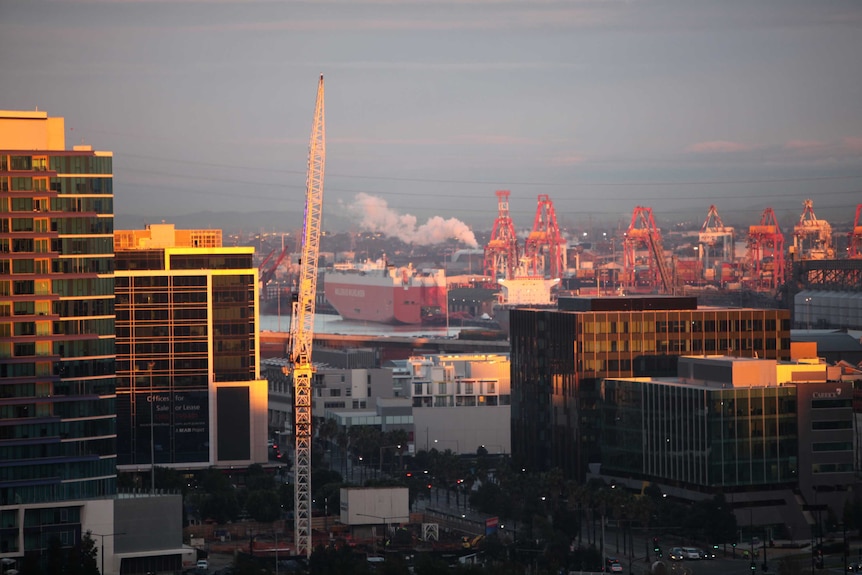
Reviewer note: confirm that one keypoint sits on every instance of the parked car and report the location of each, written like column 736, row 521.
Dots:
column 676, row 554
column 202, row 564
column 691, row 552
column 612, row 565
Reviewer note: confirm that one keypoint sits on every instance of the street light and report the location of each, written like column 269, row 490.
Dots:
column 102, row 546
column 457, row 444
column 808, row 310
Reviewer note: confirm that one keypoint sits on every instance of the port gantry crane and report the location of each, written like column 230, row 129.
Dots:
column 545, row 248
column 302, row 328
column 715, row 240
column 765, row 255
column 812, row 237
column 643, row 233
column 501, row 253
column 855, row 236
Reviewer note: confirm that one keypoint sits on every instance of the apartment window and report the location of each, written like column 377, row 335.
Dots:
column 441, row 389
column 468, row 387
column 827, row 425
column 491, row 388
column 417, row 389
column 833, row 446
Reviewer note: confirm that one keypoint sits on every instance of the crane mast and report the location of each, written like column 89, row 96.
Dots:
column 302, row 328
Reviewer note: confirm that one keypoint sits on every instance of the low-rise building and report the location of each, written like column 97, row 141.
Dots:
column 775, row 438
column 461, row 402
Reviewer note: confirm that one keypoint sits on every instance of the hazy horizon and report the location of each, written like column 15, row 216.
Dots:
column 432, row 106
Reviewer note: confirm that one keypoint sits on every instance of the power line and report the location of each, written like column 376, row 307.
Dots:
column 644, row 183
column 557, row 201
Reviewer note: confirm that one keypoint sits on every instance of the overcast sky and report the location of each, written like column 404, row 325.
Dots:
column 431, row 105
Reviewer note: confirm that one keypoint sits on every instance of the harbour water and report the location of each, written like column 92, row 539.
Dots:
column 330, row 323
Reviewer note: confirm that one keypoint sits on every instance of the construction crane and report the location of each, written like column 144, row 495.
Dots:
column 855, row 235
column 501, row 253
column 812, row 238
column 302, row 328
column 644, row 234
column 266, row 274
column 715, row 241
column 765, row 256
column 545, row 248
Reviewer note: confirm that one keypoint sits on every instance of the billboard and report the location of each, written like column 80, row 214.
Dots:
column 374, row 505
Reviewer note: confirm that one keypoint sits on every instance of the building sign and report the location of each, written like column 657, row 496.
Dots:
column 827, row 394
column 491, row 525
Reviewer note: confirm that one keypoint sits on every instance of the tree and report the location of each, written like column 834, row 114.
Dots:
column 81, row 558
column 263, row 505
column 257, row 479
column 221, row 507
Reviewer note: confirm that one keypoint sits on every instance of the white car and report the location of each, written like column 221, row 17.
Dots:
column 202, row 564
column 691, row 552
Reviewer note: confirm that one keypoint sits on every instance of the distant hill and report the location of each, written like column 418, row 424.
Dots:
column 230, row 222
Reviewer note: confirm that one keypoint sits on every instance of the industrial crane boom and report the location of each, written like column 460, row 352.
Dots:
column 302, row 327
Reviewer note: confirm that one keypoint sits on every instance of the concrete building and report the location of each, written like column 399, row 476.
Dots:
column 776, row 438
column 560, row 356
column 57, row 378
column 189, row 390
column 461, row 402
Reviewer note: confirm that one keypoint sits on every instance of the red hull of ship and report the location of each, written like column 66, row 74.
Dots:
column 392, row 304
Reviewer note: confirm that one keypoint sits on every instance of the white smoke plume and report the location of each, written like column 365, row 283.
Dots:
column 375, row 215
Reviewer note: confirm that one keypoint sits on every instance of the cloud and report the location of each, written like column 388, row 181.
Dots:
column 853, row 145
column 718, row 147
column 568, row 160
column 804, row 145
column 797, row 151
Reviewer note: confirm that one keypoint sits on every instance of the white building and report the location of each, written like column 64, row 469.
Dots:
column 461, row 402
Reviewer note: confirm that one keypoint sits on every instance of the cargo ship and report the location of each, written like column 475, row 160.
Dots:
column 382, row 293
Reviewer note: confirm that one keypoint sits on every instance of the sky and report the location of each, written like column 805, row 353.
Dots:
column 433, row 105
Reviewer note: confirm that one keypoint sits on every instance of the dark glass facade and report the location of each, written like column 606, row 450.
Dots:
column 698, row 436
column 57, row 381
column 184, row 321
column 559, row 359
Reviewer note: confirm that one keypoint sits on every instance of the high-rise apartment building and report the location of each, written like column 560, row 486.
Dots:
column 560, row 357
column 189, row 391
column 57, row 382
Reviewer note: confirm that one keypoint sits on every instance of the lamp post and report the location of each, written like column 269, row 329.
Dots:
column 278, row 305
column 150, row 367
column 808, row 310
column 102, row 546
column 457, row 444
column 382, row 447
column 275, row 533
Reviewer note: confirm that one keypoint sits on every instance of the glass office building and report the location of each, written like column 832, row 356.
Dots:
column 57, row 380
column 560, row 356
column 699, row 435
column 189, row 392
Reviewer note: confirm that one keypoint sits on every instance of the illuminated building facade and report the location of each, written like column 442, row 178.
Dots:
column 189, row 391
column 776, row 438
column 560, row 357
column 57, row 412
